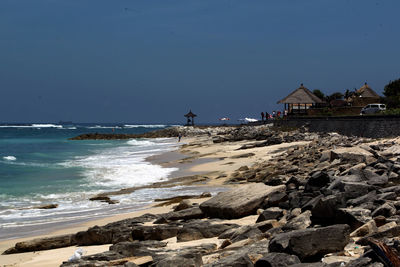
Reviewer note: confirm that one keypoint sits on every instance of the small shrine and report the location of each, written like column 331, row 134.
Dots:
column 190, row 118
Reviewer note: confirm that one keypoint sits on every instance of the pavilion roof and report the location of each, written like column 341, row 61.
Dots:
column 301, row 96
column 190, row 114
column 366, row 91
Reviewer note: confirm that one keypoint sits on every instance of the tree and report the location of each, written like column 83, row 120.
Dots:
column 392, row 93
column 335, row 96
column 318, row 93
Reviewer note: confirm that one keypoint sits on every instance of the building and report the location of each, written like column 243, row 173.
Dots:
column 300, row 100
column 190, row 118
column 364, row 96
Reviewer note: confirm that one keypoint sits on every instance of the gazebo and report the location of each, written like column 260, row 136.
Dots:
column 300, row 100
column 190, row 118
column 364, row 96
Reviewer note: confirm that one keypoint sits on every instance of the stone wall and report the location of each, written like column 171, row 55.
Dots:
column 365, row 126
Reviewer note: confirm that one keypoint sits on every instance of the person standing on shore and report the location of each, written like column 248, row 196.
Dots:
column 262, row 116
column 273, row 115
column 266, row 116
column 179, row 137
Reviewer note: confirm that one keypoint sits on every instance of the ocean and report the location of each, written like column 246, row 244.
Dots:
column 40, row 166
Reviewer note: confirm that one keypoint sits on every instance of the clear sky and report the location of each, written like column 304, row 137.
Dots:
column 153, row 60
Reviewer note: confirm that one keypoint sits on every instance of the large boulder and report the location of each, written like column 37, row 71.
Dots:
column 239, row 202
column 270, row 214
column 94, row 236
column 198, row 229
column 311, row 243
column 156, row 232
column 42, row 244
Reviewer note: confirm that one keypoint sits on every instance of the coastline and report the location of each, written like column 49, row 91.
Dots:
column 197, row 156
column 280, row 164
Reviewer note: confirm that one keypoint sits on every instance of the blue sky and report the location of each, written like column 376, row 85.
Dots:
column 152, row 61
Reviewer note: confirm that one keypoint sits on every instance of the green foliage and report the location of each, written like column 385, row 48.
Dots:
column 393, row 111
column 318, row 93
column 337, row 95
column 347, row 94
column 392, row 93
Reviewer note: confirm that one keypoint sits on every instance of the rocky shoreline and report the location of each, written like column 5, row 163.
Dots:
column 163, row 133
column 330, row 202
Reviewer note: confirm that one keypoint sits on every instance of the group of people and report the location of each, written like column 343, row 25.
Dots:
column 274, row 115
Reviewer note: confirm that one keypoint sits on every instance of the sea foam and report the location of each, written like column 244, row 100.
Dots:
column 11, row 158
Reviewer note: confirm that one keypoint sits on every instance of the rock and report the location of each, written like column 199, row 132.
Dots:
column 270, row 214
column 245, row 232
column 225, row 243
column 302, row 221
column 103, row 199
column 218, row 139
column 387, row 196
column 356, row 189
column 375, row 179
column 136, row 248
column 316, row 181
column 186, row 214
column 184, row 204
column 329, row 210
column 385, row 210
column 233, row 260
column 312, row 243
column 201, row 229
column 366, row 229
column 275, row 259
column 370, row 197
column 94, row 236
column 85, row 263
column 360, row 262
column 159, row 232
column 46, row 207
column 239, row 202
column 243, row 168
column 386, row 227
column 356, row 156
column 354, row 217
column 181, row 260
column 42, row 244
column 392, row 232
column 275, row 199
column 243, row 255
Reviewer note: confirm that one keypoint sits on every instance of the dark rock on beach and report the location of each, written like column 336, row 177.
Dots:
column 239, row 202
column 310, row 243
column 43, row 244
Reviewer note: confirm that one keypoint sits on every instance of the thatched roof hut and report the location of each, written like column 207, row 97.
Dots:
column 366, row 91
column 301, row 96
column 300, row 100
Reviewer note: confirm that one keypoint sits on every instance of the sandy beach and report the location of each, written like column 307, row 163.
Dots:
column 206, row 163
column 198, row 155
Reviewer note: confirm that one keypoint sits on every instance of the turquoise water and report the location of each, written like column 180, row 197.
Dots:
column 40, row 166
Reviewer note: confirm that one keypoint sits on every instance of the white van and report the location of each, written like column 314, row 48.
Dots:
column 373, row 108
